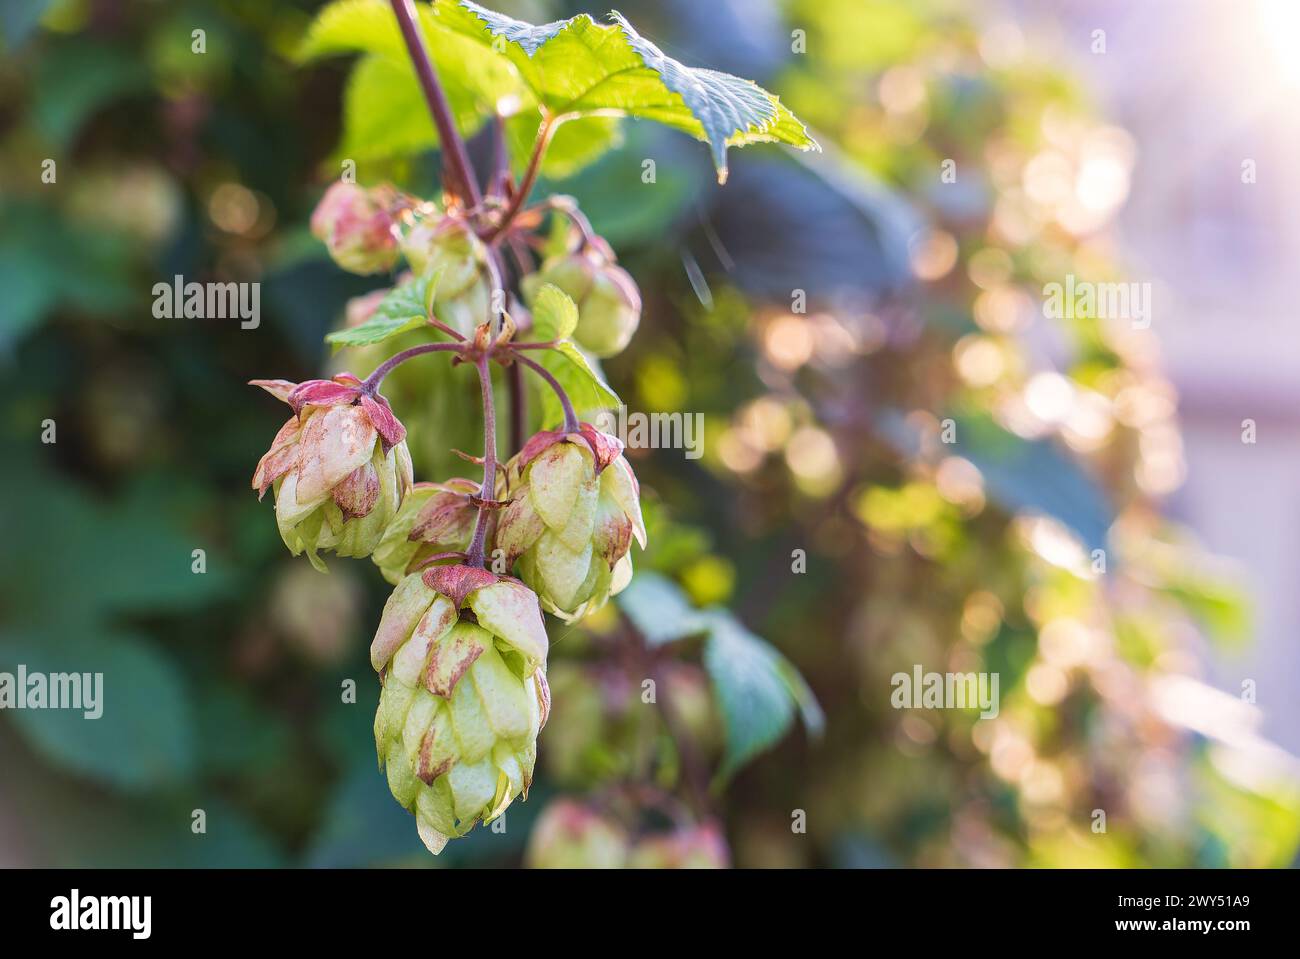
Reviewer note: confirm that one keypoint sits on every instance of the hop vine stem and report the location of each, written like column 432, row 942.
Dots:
column 570, row 417
column 476, row 554
column 455, row 156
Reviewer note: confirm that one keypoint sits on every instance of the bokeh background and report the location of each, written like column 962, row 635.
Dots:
column 1164, row 691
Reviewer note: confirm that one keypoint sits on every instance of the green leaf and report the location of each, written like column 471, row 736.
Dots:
column 660, row 610
column 810, row 711
column 555, row 315
column 78, row 78
column 577, row 67
column 352, row 26
column 1037, row 475
column 757, row 689
column 143, row 737
column 404, row 308
column 385, row 114
column 587, row 392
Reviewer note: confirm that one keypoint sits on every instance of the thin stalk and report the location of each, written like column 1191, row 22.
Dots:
column 544, row 133
column 371, row 382
column 570, row 417
column 443, row 327
column 455, row 156
column 476, row 554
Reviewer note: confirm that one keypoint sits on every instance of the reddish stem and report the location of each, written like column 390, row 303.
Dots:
column 544, row 132
column 455, row 156
column 443, row 327
column 570, row 417
column 476, row 554
column 371, row 383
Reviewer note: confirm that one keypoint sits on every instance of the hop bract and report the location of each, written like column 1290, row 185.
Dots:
column 574, row 508
column 339, row 467
column 434, row 518
column 451, row 249
column 356, row 228
column 608, row 301
column 461, row 654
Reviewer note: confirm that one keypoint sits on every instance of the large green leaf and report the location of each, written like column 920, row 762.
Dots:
column 577, row 68
column 385, row 114
column 757, row 688
column 1020, row 474
column 660, row 610
column 142, row 738
column 1035, row 475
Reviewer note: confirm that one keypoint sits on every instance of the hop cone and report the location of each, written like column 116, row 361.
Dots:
column 574, row 508
column 451, row 249
column 339, row 467
column 608, row 301
column 461, row 654
column 356, row 227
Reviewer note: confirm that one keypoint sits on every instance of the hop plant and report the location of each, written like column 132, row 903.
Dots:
column 356, row 227
column 574, row 508
column 608, row 301
column 339, row 467
column 461, row 654
column 461, row 651
column 434, row 518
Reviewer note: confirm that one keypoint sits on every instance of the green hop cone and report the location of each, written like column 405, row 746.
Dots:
column 572, row 835
column 608, row 301
column 451, row 249
column 574, row 508
column 461, row 654
column 357, row 228
column 434, row 518
column 339, row 467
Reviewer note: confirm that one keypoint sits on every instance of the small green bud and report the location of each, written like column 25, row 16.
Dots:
column 608, row 301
